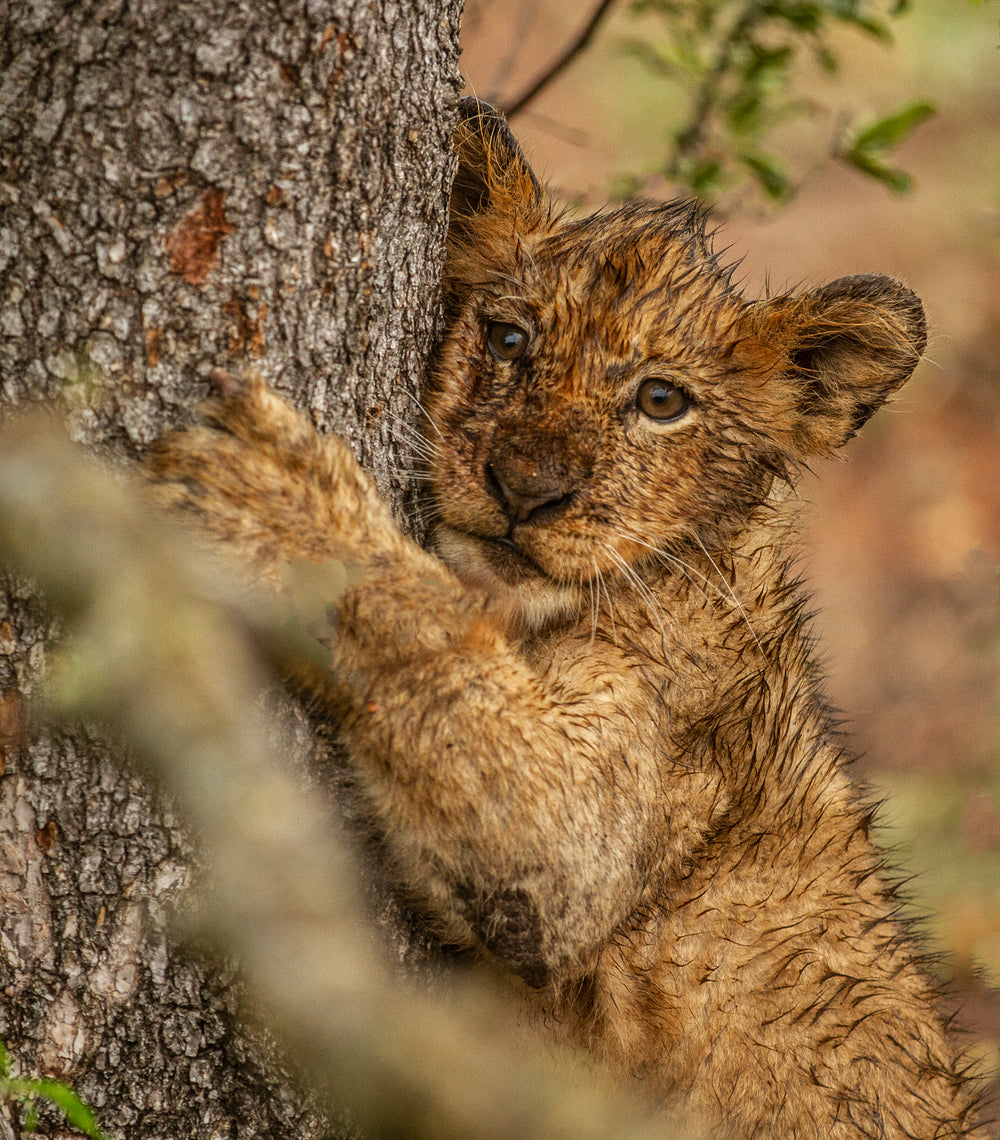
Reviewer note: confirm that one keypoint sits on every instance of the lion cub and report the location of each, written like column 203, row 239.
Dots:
column 591, row 725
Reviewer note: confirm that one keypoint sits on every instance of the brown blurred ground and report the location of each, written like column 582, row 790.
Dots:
column 905, row 541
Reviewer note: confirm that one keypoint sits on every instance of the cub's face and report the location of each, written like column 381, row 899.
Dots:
column 589, row 415
column 604, row 397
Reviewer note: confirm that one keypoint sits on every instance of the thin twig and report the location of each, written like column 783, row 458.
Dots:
column 526, row 16
column 561, row 62
column 690, row 137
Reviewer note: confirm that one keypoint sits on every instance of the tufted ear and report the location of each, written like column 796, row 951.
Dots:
column 842, row 350
column 493, row 176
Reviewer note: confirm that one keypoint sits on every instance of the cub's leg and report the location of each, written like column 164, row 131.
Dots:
column 502, row 794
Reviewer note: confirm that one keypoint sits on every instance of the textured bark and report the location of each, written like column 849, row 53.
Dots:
column 185, row 185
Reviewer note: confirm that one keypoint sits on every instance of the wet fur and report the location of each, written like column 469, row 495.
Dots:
column 595, row 737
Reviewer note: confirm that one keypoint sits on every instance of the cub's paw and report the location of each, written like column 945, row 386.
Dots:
column 245, row 473
column 246, row 412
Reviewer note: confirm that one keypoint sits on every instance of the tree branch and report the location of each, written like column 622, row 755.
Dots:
column 561, row 62
column 691, row 136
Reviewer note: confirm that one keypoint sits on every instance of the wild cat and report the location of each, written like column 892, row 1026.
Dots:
column 590, row 724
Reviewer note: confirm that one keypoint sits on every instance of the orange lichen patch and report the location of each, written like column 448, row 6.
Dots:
column 247, row 331
column 11, row 725
column 256, row 342
column 346, row 44
column 275, row 196
column 193, row 244
column 46, row 836
column 154, row 346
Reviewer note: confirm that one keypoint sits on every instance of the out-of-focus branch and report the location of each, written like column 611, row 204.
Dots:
column 691, row 137
column 164, row 663
column 562, row 61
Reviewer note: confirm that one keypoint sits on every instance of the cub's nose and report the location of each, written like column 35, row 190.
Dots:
column 522, row 490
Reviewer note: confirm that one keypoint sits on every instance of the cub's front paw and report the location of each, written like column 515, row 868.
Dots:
column 244, row 424
column 253, row 474
column 248, row 409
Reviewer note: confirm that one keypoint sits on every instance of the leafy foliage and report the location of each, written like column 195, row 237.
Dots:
column 868, row 148
column 737, row 58
column 28, row 1092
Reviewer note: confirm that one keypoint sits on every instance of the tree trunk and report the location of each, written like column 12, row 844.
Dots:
column 185, row 185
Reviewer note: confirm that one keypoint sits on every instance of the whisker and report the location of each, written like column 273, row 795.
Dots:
column 701, row 581
column 732, row 594
column 410, row 450
column 524, row 288
column 424, row 412
column 409, row 473
column 690, row 572
column 530, row 290
column 643, row 590
column 413, row 447
column 602, row 587
column 415, row 437
column 593, row 608
column 430, row 510
column 408, row 453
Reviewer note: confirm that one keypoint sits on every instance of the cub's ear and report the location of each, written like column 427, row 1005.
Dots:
column 844, row 349
column 493, row 175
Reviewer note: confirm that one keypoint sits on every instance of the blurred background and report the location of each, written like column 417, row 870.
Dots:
column 904, row 540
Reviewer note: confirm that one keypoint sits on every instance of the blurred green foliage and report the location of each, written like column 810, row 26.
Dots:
column 737, row 63
column 942, row 832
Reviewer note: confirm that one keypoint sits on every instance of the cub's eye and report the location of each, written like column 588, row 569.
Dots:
column 661, row 400
column 506, row 341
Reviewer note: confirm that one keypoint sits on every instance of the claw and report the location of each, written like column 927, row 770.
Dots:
column 226, row 383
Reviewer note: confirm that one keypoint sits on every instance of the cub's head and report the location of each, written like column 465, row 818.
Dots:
column 604, row 393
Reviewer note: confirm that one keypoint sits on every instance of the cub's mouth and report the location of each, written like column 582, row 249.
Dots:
column 508, row 560
column 526, row 597
column 483, row 560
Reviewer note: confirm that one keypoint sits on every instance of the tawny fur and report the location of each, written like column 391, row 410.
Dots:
column 591, row 725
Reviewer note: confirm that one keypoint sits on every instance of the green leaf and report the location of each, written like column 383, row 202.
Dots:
column 75, row 1111
column 762, row 62
column 768, row 173
column 665, row 7
column 858, row 14
column 826, row 59
column 702, row 175
column 744, row 116
column 4, row 1059
column 897, row 180
column 624, row 187
column 804, row 17
column 688, row 52
column 652, row 57
column 891, row 131
column 873, row 27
